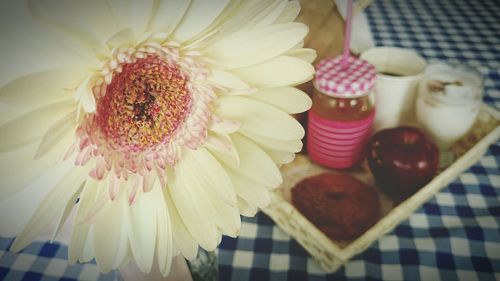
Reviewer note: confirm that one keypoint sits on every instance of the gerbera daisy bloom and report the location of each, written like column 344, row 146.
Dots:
column 153, row 124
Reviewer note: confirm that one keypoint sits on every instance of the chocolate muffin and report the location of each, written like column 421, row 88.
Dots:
column 338, row 204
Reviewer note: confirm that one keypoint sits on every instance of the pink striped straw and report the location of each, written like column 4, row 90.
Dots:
column 347, row 34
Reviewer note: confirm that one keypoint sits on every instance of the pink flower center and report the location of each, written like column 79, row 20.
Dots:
column 144, row 104
column 152, row 102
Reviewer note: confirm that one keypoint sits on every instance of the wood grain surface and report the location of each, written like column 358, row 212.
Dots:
column 326, row 27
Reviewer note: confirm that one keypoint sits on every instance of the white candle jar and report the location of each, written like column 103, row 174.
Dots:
column 448, row 102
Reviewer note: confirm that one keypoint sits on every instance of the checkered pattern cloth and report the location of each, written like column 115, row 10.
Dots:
column 45, row 262
column 354, row 79
column 453, row 236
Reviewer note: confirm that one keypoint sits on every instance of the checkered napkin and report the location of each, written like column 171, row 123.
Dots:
column 45, row 262
column 453, row 236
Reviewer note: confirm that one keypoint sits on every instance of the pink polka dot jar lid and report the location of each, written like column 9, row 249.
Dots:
column 357, row 79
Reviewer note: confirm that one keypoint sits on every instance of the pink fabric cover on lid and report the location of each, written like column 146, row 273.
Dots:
column 357, row 79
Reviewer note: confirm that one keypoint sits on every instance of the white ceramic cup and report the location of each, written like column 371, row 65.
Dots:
column 399, row 71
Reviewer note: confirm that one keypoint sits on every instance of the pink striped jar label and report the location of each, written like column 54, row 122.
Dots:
column 337, row 144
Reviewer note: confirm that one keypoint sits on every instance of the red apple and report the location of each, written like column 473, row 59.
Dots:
column 402, row 160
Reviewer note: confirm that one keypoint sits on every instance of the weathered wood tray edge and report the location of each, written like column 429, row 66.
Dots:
column 331, row 256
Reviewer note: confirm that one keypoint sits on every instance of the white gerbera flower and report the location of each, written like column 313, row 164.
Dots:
column 158, row 121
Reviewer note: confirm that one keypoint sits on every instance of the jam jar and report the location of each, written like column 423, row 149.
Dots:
column 341, row 118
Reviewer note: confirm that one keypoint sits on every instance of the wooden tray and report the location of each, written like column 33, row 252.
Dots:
column 333, row 254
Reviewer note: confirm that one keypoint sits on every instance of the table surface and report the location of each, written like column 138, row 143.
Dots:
column 453, row 236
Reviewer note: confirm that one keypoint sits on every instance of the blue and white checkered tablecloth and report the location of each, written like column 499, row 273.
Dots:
column 456, row 235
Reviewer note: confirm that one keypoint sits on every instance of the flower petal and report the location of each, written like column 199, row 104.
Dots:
column 89, row 22
column 9, row 113
column 29, row 47
column 306, row 54
column 255, row 193
column 56, row 133
column 290, row 12
column 244, row 15
column 191, row 209
column 227, row 80
column 255, row 163
column 277, row 72
column 182, row 237
column 120, row 15
column 32, row 126
column 81, row 229
column 124, row 254
column 109, row 228
column 276, row 144
column 42, row 88
column 142, row 229
column 67, row 210
column 165, row 243
column 222, row 147
column 251, row 47
column 271, row 13
column 237, row 15
column 50, row 207
column 123, row 38
column 140, row 14
column 168, row 15
column 88, row 253
column 246, row 209
column 213, row 174
column 260, row 118
column 199, row 16
column 224, row 126
column 289, row 99
column 206, row 178
column 18, row 170
column 27, row 198
column 280, row 157
column 85, row 95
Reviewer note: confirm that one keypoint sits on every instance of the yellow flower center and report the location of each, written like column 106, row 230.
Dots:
column 144, row 103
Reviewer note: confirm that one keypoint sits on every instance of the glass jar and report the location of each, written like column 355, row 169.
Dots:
column 341, row 118
column 449, row 100
column 448, row 103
